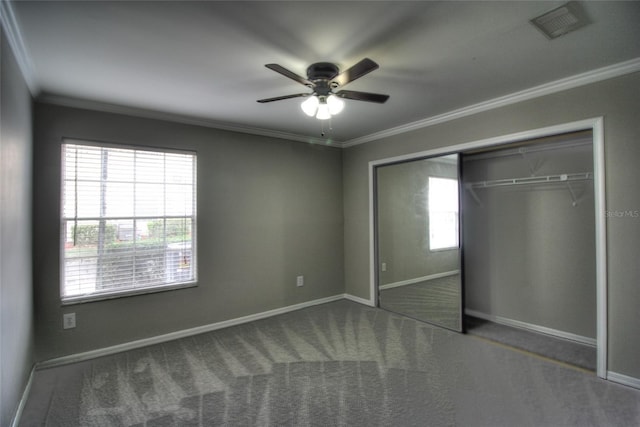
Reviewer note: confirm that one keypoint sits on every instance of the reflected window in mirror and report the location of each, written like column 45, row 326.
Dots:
column 443, row 213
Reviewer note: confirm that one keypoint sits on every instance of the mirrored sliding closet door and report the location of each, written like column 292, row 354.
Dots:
column 418, row 240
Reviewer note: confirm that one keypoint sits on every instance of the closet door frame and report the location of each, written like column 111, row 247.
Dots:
column 596, row 125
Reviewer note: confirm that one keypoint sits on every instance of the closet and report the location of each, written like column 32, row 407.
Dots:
column 529, row 243
column 526, row 252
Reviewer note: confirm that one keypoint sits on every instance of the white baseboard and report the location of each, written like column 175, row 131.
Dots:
column 623, row 379
column 23, row 399
column 418, row 280
column 534, row 328
column 131, row 345
column 359, row 300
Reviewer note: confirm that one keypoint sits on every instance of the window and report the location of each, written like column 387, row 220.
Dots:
column 128, row 220
column 443, row 213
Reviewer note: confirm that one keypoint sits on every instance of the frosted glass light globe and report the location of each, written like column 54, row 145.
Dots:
column 310, row 106
column 323, row 112
column 335, row 104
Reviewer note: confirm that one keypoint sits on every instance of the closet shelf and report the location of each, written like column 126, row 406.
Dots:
column 566, row 178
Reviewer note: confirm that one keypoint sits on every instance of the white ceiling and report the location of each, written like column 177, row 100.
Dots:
column 205, row 60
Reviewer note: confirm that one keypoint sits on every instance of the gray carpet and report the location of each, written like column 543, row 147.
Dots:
column 338, row 364
column 436, row 301
column 573, row 353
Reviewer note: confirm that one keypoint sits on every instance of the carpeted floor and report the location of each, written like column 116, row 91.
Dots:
column 573, row 353
column 437, row 301
column 337, row 364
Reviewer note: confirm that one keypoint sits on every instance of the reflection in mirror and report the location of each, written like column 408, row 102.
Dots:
column 418, row 255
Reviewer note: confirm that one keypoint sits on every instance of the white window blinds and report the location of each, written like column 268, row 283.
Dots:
column 128, row 220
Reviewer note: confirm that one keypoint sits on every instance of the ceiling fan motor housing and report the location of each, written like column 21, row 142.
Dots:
column 322, row 71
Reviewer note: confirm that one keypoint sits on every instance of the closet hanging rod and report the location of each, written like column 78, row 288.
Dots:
column 562, row 178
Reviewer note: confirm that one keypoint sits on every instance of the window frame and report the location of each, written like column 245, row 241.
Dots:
column 142, row 290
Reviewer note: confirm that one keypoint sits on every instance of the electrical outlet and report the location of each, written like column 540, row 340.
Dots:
column 68, row 320
column 300, row 281
column 384, row 266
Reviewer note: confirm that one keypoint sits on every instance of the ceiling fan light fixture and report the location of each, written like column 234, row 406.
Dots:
column 322, row 79
column 322, row 107
column 335, row 104
column 323, row 111
column 310, row 106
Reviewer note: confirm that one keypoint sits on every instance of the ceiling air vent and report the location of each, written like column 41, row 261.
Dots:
column 561, row 20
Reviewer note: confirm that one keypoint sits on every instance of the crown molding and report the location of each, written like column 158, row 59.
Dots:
column 589, row 77
column 578, row 80
column 177, row 118
column 12, row 30
column 14, row 37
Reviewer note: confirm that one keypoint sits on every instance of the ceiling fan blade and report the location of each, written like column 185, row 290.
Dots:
column 363, row 96
column 278, row 98
column 293, row 76
column 360, row 69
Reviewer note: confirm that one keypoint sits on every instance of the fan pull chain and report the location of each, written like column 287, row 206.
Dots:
column 322, row 132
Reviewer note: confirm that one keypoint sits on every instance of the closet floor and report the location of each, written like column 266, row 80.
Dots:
column 573, row 353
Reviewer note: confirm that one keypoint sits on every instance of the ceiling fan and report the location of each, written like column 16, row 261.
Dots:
column 323, row 78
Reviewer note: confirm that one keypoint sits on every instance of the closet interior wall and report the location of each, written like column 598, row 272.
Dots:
column 529, row 250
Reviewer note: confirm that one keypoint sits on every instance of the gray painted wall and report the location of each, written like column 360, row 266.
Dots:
column 403, row 221
column 529, row 254
column 618, row 101
column 268, row 210
column 16, row 307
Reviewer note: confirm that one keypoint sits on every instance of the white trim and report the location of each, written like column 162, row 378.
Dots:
column 359, row 300
column 597, row 126
column 592, row 123
column 589, row 77
column 14, row 36
column 131, row 345
column 599, row 192
column 418, row 280
column 373, row 271
column 177, row 118
column 623, row 379
column 23, row 399
column 531, row 327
